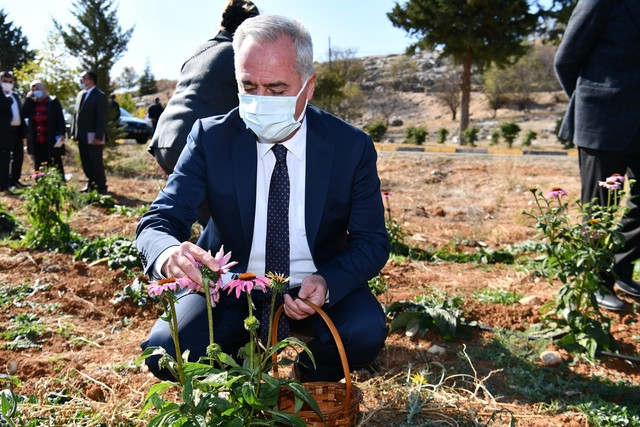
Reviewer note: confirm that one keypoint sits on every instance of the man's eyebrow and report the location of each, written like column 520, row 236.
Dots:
column 277, row 84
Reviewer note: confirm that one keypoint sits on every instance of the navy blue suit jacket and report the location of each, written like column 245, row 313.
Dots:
column 343, row 208
column 598, row 65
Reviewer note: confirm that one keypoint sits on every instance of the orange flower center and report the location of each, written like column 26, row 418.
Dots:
column 247, row 277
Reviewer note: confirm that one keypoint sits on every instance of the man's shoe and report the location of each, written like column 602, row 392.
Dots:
column 609, row 301
column 85, row 189
column 629, row 286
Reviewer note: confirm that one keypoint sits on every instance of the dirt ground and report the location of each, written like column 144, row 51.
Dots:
column 441, row 200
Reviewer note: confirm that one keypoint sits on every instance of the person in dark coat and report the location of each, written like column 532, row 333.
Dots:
column 336, row 238
column 12, row 132
column 89, row 129
column 207, row 87
column 46, row 129
column 598, row 66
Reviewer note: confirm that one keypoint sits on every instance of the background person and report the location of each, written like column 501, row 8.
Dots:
column 46, row 128
column 114, row 109
column 154, row 113
column 206, row 87
column 13, row 135
column 336, row 237
column 598, row 65
column 89, row 129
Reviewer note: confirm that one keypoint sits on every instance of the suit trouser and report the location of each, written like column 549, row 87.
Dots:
column 17, row 153
column 597, row 165
column 93, row 165
column 358, row 317
column 5, row 160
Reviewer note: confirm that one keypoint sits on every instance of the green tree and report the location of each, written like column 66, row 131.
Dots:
column 351, row 107
column 128, row 79
column 55, row 68
column 509, row 131
column 472, row 32
column 328, row 92
column 14, row 51
column 147, row 82
column 96, row 39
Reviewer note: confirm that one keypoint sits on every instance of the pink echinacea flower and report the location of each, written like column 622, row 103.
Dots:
column 246, row 283
column 556, row 193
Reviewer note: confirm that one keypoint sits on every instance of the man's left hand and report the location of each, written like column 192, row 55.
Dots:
column 314, row 289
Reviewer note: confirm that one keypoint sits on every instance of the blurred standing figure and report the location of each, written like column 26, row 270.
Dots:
column 114, row 109
column 88, row 128
column 12, row 136
column 598, row 66
column 46, row 129
column 154, row 113
column 207, row 87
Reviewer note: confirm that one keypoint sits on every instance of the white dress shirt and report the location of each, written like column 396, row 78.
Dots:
column 15, row 112
column 301, row 262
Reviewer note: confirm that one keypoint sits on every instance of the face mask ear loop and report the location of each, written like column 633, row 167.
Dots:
column 306, row 101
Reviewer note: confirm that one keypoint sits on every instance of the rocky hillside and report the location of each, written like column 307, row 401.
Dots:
column 412, row 81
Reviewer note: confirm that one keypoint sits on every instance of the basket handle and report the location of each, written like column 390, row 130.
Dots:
column 336, row 338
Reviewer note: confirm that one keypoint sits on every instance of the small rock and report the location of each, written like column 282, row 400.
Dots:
column 436, row 350
column 551, row 358
column 531, row 300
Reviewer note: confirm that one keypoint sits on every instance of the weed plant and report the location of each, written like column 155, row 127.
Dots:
column 48, row 208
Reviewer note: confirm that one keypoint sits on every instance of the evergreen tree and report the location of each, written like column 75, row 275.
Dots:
column 147, row 81
column 477, row 32
column 96, row 39
column 14, row 51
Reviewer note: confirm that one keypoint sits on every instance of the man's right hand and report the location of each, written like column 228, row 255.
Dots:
column 182, row 262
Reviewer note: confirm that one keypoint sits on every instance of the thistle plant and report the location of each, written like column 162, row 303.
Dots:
column 580, row 253
column 217, row 390
column 48, row 206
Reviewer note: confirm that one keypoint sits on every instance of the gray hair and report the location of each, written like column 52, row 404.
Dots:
column 266, row 29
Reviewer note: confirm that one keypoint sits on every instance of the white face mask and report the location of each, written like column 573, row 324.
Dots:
column 7, row 87
column 271, row 118
column 83, row 86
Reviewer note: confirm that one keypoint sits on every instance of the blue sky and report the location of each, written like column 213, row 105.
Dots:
column 168, row 32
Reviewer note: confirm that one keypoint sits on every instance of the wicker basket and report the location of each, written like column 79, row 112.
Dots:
column 338, row 402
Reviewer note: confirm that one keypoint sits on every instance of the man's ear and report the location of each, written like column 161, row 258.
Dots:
column 311, row 86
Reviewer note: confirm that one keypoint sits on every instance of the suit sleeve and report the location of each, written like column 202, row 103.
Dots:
column 368, row 244
column 102, row 116
column 584, row 27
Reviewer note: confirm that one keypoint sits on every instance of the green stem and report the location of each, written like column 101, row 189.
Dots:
column 253, row 337
column 207, row 295
column 173, row 325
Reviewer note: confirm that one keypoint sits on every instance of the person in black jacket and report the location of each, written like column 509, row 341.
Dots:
column 207, row 87
column 89, row 129
column 46, row 129
column 11, row 134
column 597, row 64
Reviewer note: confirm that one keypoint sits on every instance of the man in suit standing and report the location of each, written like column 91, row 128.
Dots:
column 337, row 239
column 88, row 129
column 13, row 135
column 598, row 65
